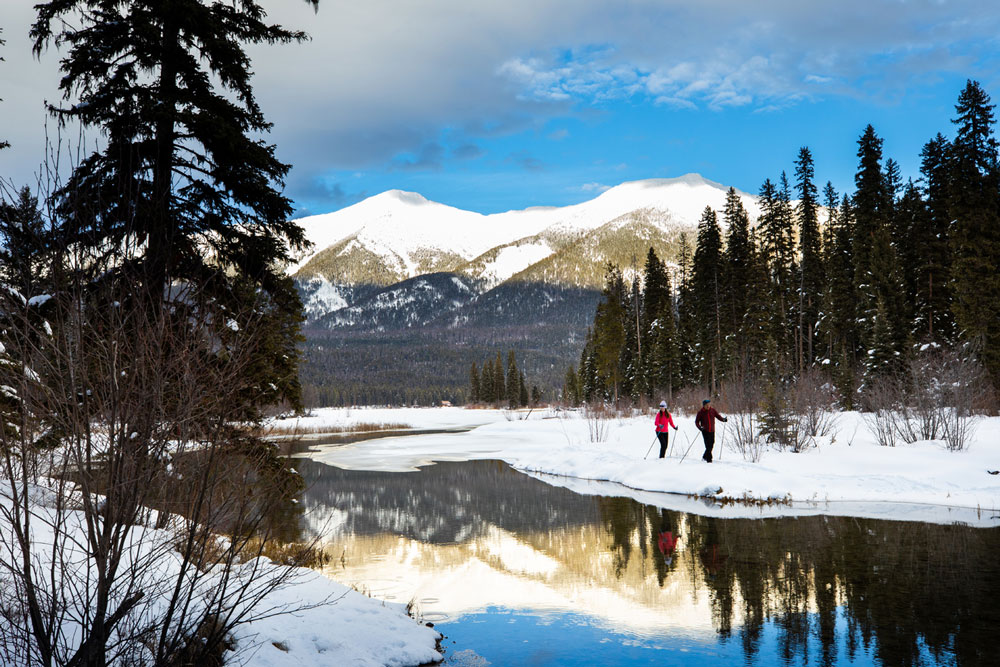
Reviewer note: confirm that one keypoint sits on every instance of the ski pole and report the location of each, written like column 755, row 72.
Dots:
column 650, row 447
column 722, row 438
column 690, row 445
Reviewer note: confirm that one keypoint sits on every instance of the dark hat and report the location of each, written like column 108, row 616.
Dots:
column 707, row 400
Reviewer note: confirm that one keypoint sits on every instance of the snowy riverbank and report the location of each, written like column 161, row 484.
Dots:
column 308, row 619
column 846, row 474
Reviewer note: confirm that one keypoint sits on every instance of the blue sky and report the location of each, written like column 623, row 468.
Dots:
column 498, row 105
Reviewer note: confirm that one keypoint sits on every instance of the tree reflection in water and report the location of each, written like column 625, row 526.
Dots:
column 906, row 589
column 816, row 586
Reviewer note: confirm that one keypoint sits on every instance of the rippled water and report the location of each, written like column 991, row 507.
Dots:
column 517, row 572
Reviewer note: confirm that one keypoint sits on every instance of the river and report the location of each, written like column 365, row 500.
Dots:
column 516, row 571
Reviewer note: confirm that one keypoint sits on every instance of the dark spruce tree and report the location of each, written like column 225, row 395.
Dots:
column 706, row 278
column 513, row 393
column 736, row 272
column 778, row 254
column 474, row 384
column 811, row 276
column 877, row 273
column 609, row 334
column 658, row 327
column 931, row 232
column 688, row 369
column 975, row 239
column 183, row 190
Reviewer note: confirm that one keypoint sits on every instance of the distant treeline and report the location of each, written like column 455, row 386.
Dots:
column 422, row 367
column 854, row 285
column 495, row 386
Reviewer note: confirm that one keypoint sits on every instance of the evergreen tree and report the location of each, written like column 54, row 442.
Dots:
column 706, row 278
column 975, row 238
column 877, row 272
column 571, row 387
column 536, row 395
column 183, row 188
column 609, row 332
column 659, row 328
column 474, row 385
column 25, row 250
column 523, row 397
column 499, row 382
column 513, row 394
column 590, row 385
column 487, row 383
column 933, row 319
column 736, row 271
column 777, row 252
column 688, row 370
column 811, row 276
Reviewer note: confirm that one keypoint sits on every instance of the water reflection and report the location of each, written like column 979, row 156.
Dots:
column 463, row 538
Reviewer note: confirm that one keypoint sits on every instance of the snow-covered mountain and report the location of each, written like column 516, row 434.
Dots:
column 399, row 235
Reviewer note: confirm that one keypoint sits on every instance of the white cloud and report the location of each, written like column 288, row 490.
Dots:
column 385, row 79
column 594, row 187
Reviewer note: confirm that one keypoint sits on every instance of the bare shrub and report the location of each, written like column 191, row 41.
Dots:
column 884, row 398
column 598, row 416
column 134, row 513
column 688, row 400
column 939, row 397
column 965, row 391
column 742, row 392
column 814, row 401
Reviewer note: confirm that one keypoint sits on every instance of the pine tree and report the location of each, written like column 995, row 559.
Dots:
column 933, row 319
column 657, row 322
column 659, row 328
column 609, row 332
column 487, row 383
column 737, row 270
column 688, row 370
column 811, row 276
column 513, row 393
column 474, row 385
column 706, row 283
column 183, row 188
column 877, row 272
column 25, row 245
column 523, row 397
column 841, row 304
column 499, row 381
column 975, row 238
column 778, row 254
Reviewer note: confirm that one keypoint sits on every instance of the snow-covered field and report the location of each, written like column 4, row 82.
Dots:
column 845, row 474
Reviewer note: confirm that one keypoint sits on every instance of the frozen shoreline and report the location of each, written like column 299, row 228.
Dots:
column 922, row 481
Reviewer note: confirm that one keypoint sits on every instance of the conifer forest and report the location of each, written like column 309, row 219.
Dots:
column 859, row 290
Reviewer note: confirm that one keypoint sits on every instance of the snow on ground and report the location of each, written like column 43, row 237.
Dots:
column 308, row 620
column 354, row 630
column 846, row 474
column 415, row 418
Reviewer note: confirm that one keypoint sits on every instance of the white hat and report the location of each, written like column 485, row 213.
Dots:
column 663, row 404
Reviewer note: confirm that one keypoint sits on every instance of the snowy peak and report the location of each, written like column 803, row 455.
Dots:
column 397, row 235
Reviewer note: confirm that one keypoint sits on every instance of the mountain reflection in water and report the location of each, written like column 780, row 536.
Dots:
column 461, row 539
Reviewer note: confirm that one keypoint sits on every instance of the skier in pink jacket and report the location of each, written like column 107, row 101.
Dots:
column 664, row 420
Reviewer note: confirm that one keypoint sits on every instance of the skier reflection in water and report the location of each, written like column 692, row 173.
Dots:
column 712, row 557
column 667, row 541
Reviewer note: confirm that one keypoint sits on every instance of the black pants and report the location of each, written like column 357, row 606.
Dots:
column 709, row 437
column 662, row 435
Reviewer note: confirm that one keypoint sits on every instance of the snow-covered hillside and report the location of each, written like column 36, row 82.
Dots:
column 397, row 235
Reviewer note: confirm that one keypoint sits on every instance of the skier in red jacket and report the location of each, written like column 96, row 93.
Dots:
column 705, row 421
column 663, row 421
